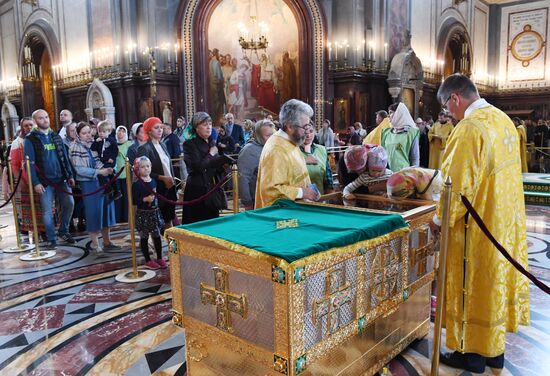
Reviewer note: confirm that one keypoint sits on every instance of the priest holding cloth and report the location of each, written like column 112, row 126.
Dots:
column 485, row 295
column 282, row 172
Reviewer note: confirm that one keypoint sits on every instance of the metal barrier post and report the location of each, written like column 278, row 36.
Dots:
column 37, row 255
column 20, row 247
column 441, row 274
column 135, row 275
column 235, row 178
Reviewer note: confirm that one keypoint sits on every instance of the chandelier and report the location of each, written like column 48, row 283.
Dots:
column 254, row 37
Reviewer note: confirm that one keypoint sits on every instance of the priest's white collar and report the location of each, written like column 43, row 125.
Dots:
column 480, row 103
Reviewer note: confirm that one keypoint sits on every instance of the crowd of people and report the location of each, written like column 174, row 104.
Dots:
column 78, row 173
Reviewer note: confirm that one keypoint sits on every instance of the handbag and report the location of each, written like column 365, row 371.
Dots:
column 218, row 199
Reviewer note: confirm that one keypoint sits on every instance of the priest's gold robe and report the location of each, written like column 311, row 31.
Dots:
column 522, row 134
column 437, row 144
column 485, row 295
column 282, row 171
column 375, row 136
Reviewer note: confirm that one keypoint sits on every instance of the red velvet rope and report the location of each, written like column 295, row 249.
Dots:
column 502, row 250
column 62, row 189
column 183, row 203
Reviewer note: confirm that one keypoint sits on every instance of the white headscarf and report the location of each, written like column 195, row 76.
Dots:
column 125, row 133
column 401, row 118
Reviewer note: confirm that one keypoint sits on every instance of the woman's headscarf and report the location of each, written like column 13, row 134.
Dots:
column 149, row 123
column 401, row 118
column 257, row 135
column 377, row 158
column 355, row 157
column 135, row 129
column 125, row 134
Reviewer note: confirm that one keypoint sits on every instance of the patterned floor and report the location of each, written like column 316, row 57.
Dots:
column 68, row 316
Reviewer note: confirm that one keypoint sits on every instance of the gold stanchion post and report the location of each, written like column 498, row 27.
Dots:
column 135, row 275
column 441, row 274
column 20, row 247
column 235, row 178
column 37, row 255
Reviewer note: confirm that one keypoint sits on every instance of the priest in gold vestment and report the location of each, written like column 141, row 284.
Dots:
column 438, row 136
column 382, row 122
column 282, row 172
column 522, row 135
column 485, row 296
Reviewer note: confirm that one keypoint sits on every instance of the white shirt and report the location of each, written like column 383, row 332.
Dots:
column 164, row 159
column 480, row 103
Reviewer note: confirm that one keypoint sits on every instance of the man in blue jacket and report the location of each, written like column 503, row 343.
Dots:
column 46, row 151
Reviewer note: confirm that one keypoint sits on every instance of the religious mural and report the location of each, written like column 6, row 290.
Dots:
column 398, row 23
column 244, row 81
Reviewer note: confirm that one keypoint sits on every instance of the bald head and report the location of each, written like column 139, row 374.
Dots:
column 41, row 119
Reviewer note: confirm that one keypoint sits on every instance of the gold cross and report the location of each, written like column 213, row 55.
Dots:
column 420, row 254
column 337, row 293
column 224, row 301
column 384, row 273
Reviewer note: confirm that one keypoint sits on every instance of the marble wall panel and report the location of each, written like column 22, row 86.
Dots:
column 75, row 30
column 479, row 38
column 9, row 46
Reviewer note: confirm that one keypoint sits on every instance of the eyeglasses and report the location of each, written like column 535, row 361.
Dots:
column 301, row 126
column 444, row 106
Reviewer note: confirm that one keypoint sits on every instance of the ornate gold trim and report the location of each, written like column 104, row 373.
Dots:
column 527, row 32
column 177, row 318
column 321, row 256
column 281, row 308
column 297, row 309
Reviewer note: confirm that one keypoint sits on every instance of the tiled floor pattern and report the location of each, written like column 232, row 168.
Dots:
column 68, row 316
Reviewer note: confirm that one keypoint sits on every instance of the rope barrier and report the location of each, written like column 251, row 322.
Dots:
column 14, row 190
column 184, row 203
column 62, row 189
column 502, row 250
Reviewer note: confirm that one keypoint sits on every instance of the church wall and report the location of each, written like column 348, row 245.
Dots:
column 8, row 43
column 479, row 33
column 74, row 34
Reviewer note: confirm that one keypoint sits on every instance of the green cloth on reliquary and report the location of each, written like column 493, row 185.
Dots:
column 319, row 228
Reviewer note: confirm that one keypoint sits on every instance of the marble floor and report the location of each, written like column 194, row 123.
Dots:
column 68, row 316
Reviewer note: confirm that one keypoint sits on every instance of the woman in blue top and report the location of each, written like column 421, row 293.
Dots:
column 99, row 214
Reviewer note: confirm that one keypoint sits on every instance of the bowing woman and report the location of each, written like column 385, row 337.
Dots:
column 161, row 167
column 99, row 212
column 205, row 168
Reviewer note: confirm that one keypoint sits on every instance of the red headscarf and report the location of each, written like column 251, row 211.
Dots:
column 149, row 124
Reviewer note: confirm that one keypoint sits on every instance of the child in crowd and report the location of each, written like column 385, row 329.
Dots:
column 416, row 182
column 148, row 218
column 369, row 162
column 105, row 148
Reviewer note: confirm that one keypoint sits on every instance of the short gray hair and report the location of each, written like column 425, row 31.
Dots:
column 199, row 118
column 291, row 112
column 457, row 83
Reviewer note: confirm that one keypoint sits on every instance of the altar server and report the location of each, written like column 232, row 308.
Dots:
column 486, row 296
column 282, row 172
